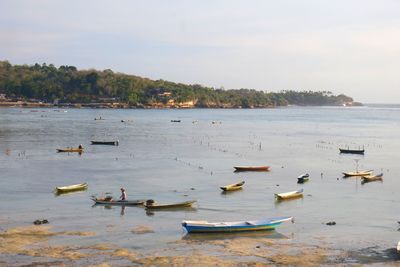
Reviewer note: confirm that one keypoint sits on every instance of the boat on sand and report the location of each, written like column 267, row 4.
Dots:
column 251, row 168
column 289, row 195
column 237, row 226
column 233, row 187
column 71, row 188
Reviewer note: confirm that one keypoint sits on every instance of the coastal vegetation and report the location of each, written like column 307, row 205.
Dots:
column 68, row 85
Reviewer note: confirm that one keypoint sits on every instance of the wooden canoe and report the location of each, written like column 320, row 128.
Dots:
column 79, row 150
column 370, row 178
column 351, row 151
column 110, row 143
column 70, row 188
column 359, row 173
column 251, row 168
column 119, row 202
column 239, row 226
column 167, row 206
column 303, row 178
column 289, row 195
column 232, row 187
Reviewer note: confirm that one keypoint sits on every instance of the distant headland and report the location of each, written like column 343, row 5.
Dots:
column 46, row 85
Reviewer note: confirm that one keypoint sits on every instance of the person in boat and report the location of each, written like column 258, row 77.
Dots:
column 123, row 194
column 80, row 146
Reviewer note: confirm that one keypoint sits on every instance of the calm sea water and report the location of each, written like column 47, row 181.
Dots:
column 173, row 162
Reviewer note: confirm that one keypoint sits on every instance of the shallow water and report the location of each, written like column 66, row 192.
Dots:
column 173, row 162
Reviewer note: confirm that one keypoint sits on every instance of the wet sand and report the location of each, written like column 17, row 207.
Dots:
column 34, row 243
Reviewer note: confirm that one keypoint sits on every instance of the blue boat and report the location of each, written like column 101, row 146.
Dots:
column 239, row 226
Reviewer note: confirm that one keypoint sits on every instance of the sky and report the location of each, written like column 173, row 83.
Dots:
column 350, row 47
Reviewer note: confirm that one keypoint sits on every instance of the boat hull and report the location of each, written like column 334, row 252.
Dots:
column 170, row 206
column 351, row 151
column 233, row 187
column 70, row 150
column 71, row 188
column 233, row 227
column 362, row 173
column 252, row 168
column 109, row 143
column 120, row 202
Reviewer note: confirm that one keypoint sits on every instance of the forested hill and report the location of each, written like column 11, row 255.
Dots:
column 67, row 84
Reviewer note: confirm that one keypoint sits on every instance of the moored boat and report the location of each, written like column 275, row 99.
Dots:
column 118, row 202
column 351, row 151
column 370, row 178
column 251, row 168
column 70, row 188
column 358, row 173
column 233, row 187
column 289, row 195
column 238, row 226
column 303, row 178
column 110, row 143
column 79, row 150
column 151, row 204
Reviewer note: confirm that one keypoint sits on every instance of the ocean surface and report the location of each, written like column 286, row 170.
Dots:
column 173, row 162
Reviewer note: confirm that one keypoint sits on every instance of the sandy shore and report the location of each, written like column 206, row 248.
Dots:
column 31, row 246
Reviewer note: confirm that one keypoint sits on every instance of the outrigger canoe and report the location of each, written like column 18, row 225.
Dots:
column 119, row 202
column 70, row 188
column 239, row 226
column 370, row 178
column 151, row 204
column 289, row 195
column 358, row 173
column 251, row 168
column 80, row 150
column 232, row 187
column 110, row 143
column 303, row 178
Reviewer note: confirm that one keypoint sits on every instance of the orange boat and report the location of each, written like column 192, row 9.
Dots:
column 252, row 168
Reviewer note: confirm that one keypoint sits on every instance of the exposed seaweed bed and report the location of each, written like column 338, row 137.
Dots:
column 32, row 246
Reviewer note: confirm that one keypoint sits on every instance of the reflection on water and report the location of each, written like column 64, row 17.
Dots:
column 232, row 235
column 152, row 212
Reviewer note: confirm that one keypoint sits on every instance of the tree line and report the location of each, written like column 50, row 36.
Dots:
column 67, row 84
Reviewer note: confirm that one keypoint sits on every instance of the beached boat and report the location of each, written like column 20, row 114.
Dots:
column 251, row 168
column 70, row 188
column 119, row 202
column 151, row 204
column 351, row 151
column 303, row 178
column 232, row 187
column 79, row 150
column 239, row 226
column 358, row 173
column 289, row 195
column 370, row 178
column 110, row 143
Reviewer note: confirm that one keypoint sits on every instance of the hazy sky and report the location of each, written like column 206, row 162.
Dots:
column 350, row 47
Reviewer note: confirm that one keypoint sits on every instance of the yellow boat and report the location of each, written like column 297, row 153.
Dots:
column 370, row 178
column 289, row 195
column 151, row 204
column 70, row 188
column 79, row 150
column 232, row 187
column 358, row 173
